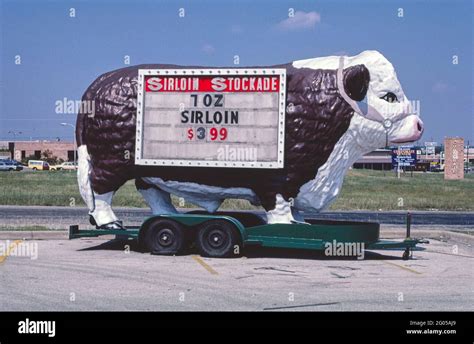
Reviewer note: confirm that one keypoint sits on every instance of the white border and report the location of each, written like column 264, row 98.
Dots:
column 279, row 163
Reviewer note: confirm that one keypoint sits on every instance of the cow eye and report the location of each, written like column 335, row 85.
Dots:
column 390, row 97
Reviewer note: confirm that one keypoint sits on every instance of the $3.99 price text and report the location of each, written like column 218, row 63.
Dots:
column 215, row 134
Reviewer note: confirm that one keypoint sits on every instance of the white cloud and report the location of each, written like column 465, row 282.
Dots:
column 300, row 21
column 440, row 87
column 208, row 49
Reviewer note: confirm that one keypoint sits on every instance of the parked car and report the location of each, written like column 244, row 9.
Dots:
column 17, row 165
column 64, row 166
column 38, row 165
column 6, row 166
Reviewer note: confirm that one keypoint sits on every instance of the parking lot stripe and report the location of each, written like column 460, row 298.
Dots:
column 9, row 249
column 402, row 267
column 300, row 306
column 205, row 266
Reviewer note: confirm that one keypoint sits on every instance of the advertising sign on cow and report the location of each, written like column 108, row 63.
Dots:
column 211, row 117
column 404, row 156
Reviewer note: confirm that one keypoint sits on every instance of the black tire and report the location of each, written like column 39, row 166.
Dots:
column 35, row 169
column 406, row 254
column 218, row 239
column 164, row 237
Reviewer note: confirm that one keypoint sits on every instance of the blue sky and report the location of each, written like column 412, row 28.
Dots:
column 61, row 55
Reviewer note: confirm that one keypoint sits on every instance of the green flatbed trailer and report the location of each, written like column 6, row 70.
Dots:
column 225, row 234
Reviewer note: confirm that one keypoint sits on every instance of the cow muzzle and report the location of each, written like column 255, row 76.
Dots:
column 410, row 130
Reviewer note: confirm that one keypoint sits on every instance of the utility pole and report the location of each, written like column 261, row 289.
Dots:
column 75, row 144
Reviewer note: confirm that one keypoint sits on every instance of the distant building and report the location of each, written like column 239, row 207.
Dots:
column 4, row 153
column 3, row 145
column 379, row 159
column 23, row 149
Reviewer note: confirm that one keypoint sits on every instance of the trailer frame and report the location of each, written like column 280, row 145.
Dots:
column 226, row 234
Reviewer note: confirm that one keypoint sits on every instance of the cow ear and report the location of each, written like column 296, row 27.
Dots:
column 356, row 81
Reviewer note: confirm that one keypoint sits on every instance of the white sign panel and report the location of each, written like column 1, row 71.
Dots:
column 430, row 147
column 430, row 150
column 211, row 117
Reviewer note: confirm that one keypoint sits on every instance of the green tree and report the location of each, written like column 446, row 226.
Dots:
column 48, row 156
column 25, row 160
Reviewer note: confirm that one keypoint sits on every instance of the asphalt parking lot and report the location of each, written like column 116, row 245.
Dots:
column 100, row 274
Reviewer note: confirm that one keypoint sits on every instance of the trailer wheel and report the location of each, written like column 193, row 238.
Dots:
column 218, row 238
column 165, row 237
column 406, row 254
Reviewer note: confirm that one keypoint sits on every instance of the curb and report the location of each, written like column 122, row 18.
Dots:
column 34, row 235
column 442, row 235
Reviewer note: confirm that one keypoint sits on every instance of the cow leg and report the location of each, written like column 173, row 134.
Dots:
column 193, row 193
column 158, row 200
column 100, row 210
column 282, row 212
column 297, row 215
column 103, row 214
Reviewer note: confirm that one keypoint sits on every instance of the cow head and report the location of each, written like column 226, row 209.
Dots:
column 385, row 115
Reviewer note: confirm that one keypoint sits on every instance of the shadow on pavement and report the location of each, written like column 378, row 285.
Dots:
column 253, row 252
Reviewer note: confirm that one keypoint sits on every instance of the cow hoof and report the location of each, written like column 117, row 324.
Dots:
column 116, row 225
column 92, row 220
column 300, row 222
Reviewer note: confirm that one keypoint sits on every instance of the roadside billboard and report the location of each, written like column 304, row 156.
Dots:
column 430, row 148
column 404, row 156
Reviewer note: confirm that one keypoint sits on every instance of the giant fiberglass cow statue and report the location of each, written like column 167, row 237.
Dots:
column 337, row 109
